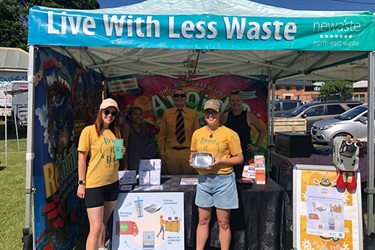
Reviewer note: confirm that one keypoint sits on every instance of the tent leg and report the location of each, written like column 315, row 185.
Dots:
column 27, row 239
column 370, row 146
column 29, row 189
column 16, row 127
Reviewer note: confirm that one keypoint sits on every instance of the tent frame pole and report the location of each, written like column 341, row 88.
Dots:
column 370, row 146
column 29, row 189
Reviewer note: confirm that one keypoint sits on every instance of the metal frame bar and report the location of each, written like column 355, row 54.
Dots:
column 370, row 146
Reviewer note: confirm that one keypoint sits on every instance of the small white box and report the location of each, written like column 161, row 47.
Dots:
column 150, row 172
column 259, row 161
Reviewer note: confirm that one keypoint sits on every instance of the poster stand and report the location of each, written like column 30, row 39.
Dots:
column 325, row 217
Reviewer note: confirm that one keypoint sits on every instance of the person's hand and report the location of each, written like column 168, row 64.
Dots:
column 123, row 150
column 216, row 162
column 252, row 148
column 81, row 191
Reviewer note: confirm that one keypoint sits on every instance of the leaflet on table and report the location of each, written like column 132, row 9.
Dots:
column 150, row 172
column 127, row 177
column 189, row 181
column 148, row 188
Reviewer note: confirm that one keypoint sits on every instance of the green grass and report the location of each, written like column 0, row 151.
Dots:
column 12, row 186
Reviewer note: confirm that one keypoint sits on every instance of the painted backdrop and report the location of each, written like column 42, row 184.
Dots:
column 66, row 98
column 154, row 95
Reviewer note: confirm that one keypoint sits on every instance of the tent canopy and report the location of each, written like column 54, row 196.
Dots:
column 210, row 37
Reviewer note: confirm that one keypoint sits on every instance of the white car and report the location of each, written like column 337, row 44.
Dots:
column 352, row 122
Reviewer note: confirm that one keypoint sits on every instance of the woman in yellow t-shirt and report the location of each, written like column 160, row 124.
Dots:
column 217, row 183
column 98, row 180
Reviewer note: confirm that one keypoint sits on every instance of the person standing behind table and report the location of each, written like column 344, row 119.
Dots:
column 240, row 121
column 216, row 185
column 134, row 132
column 98, row 181
column 174, row 153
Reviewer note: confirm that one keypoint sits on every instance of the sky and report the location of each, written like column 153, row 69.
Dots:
column 345, row 5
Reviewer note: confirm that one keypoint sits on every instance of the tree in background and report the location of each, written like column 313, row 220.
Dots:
column 14, row 17
column 333, row 90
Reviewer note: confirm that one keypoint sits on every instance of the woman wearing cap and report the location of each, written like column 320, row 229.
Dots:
column 217, row 183
column 98, row 180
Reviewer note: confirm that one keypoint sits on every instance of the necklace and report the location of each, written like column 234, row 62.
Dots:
column 212, row 131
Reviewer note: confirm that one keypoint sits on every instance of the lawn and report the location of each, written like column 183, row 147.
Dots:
column 12, row 186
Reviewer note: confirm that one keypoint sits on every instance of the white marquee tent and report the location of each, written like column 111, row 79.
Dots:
column 208, row 38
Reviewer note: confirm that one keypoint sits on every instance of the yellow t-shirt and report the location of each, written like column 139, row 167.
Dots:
column 222, row 143
column 102, row 168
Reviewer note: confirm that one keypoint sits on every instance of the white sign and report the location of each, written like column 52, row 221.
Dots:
column 149, row 220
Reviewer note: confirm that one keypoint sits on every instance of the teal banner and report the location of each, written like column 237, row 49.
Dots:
column 349, row 32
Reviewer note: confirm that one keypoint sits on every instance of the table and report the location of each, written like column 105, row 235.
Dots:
column 282, row 166
column 261, row 222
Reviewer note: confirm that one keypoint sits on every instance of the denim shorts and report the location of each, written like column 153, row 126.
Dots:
column 218, row 190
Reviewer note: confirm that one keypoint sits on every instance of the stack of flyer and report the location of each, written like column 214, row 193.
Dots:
column 126, row 179
column 260, row 169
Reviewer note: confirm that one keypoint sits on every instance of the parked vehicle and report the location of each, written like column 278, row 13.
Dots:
column 352, row 122
column 316, row 111
column 285, row 107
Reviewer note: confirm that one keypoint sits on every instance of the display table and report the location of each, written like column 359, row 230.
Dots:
column 261, row 222
column 282, row 166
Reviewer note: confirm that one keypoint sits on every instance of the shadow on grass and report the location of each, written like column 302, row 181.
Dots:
column 2, row 167
column 22, row 133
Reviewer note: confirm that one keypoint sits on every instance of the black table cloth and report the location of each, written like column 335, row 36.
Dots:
column 261, row 222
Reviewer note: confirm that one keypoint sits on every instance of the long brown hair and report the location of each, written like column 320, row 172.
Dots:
column 113, row 126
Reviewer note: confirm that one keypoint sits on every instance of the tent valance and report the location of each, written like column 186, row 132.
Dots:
column 203, row 25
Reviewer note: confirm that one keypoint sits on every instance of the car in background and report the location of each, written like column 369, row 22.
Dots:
column 316, row 111
column 352, row 122
column 285, row 107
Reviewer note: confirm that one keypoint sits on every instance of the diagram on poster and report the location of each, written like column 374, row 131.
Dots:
column 325, row 211
column 153, row 220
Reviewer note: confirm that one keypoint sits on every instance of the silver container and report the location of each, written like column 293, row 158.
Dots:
column 202, row 160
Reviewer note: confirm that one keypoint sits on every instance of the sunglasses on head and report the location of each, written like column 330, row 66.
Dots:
column 107, row 112
column 179, row 95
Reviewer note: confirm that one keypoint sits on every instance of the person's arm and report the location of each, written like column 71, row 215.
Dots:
column 224, row 118
column 196, row 123
column 258, row 125
column 125, row 132
column 161, row 137
column 82, row 156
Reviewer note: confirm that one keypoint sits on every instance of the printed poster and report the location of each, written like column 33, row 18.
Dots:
column 325, row 211
column 149, row 220
column 324, row 216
